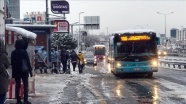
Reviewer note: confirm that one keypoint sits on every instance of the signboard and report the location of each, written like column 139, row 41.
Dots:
column 59, row 7
column 61, row 26
column 135, row 38
column 91, row 22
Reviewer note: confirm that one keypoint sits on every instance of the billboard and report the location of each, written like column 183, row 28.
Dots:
column 59, row 7
column 61, row 26
column 91, row 22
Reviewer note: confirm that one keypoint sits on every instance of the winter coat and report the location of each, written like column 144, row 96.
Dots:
column 73, row 57
column 54, row 56
column 4, row 64
column 64, row 56
column 81, row 58
column 16, row 59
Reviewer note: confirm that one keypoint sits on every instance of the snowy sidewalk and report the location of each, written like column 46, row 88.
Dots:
column 49, row 87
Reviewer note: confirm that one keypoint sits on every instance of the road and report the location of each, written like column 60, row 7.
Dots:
column 98, row 86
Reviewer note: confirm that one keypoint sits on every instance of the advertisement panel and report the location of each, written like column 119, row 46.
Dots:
column 61, row 26
column 59, row 7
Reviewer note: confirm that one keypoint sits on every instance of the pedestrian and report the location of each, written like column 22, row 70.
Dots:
column 68, row 62
column 4, row 76
column 41, row 59
column 64, row 58
column 59, row 61
column 81, row 62
column 54, row 61
column 17, row 56
column 74, row 58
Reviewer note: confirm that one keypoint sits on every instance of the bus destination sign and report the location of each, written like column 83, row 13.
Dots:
column 135, row 38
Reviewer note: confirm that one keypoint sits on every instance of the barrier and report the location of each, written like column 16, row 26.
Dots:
column 173, row 62
column 11, row 89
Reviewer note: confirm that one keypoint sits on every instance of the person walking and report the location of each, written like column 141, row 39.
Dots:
column 4, row 76
column 64, row 58
column 81, row 62
column 74, row 58
column 18, row 74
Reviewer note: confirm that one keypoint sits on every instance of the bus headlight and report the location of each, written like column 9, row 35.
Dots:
column 154, row 63
column 103, row 56
column 118, row 64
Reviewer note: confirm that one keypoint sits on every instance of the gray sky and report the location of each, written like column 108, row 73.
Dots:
column 121, row 14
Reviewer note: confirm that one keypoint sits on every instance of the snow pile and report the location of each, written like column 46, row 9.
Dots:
column 131, row 31
column 22, row 32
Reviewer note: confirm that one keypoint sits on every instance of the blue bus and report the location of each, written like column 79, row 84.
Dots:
column 133, row 51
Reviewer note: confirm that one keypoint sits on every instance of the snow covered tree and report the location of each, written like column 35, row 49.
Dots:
column 63, row 40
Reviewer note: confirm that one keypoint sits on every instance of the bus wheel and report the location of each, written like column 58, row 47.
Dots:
column 150, row 75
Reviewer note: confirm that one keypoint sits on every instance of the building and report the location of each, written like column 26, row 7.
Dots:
column 173, row 32
column 181, row 37
column 14, row 8
column 35, row 17
column 2, row 19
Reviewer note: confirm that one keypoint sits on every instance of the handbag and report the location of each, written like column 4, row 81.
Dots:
column 24, row 65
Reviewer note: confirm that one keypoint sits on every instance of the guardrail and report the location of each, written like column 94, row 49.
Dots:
column 173, row 62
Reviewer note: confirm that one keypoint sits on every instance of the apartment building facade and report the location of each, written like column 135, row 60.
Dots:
column 181, row 37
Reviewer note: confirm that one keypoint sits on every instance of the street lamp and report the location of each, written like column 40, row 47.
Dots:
column 165, row 14
column 79, row 31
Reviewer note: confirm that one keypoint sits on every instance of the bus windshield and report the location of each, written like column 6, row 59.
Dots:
column 139, row 48
column 99, row 50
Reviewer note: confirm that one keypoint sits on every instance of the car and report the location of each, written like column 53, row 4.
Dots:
column 162, row 53
column 89, row 59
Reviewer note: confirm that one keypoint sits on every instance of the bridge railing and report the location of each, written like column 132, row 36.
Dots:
column 173, row 62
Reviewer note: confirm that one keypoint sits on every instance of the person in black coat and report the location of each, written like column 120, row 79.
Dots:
column 17, row 56
column 64, row 58
column 74, row 58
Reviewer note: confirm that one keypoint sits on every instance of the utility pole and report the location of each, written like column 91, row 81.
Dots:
column 46, row 14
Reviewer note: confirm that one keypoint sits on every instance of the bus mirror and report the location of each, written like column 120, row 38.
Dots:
column 158, row 40
column 153, row 37
column 117, row 38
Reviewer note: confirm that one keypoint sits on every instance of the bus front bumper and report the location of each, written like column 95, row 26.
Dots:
column 135, row 70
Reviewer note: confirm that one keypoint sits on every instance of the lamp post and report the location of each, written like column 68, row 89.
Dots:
column 46, row 14
column 165, row 14
column 79, row 31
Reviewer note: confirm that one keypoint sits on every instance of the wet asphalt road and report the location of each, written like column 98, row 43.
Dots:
column 168, row 86
column 98, row 86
